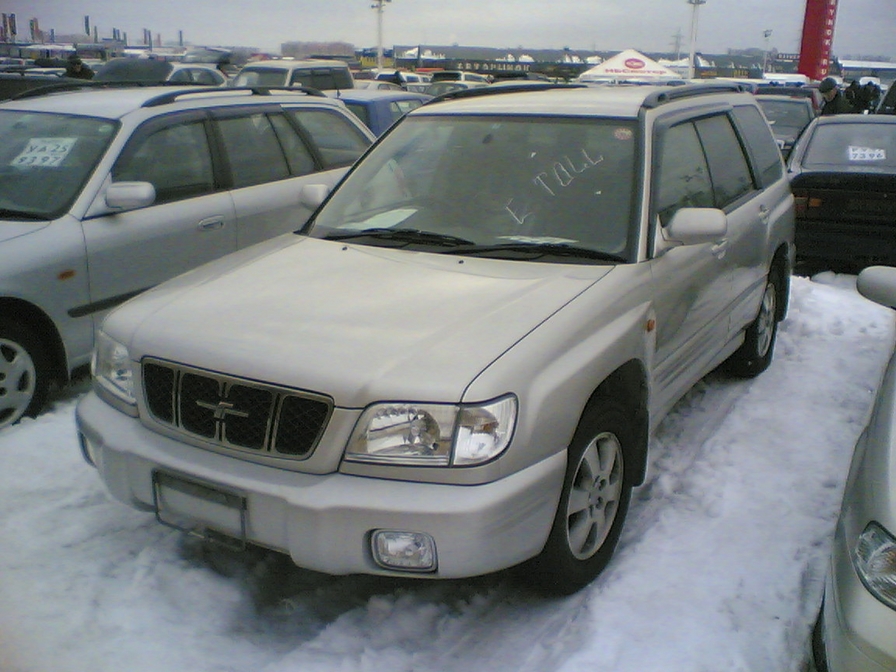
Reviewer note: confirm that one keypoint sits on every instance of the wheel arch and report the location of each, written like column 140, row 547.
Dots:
column 628, row 385
column 782, row 268
column 37, row 321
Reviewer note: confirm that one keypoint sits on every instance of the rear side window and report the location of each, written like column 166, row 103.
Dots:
column 728, row 167
column 176, row 160
column 761, row 142
column 684, row 180
column 339, row 142
column 253, row 150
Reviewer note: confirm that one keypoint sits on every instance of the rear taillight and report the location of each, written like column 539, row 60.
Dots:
column 805, row 201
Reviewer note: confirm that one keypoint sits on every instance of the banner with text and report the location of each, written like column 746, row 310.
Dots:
column 818, row 36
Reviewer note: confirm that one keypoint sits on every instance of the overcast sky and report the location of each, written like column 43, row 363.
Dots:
column 864, row 27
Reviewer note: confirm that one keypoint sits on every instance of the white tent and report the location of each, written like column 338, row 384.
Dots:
column 628, row 65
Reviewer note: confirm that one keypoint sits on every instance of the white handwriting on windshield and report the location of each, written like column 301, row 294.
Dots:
column 565, row 171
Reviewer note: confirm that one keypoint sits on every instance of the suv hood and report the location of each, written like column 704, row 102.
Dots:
column 354, row 322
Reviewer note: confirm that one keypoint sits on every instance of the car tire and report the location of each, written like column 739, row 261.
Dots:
column 593, row 503
column 24, row 373
column 755, row 354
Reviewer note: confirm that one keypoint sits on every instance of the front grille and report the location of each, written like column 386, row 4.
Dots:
column 234, row 412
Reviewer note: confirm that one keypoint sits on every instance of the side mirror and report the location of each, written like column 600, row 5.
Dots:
column 692, row 226
column 878, row 284
column 313, row 195
column 130, row 195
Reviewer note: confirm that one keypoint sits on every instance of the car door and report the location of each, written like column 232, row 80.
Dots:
column 191, row 222
column 271, row 156
column 691, row 311
column 739, row 196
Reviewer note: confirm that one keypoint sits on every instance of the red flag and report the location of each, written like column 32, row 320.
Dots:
column 818, row 36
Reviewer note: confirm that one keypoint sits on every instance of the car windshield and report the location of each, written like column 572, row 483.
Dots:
column 787, row 118
column 493, row 185
column 45, row 159
column 859, row 146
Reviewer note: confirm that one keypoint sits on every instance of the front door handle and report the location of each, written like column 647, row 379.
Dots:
column 720, row 249
column 212, row 223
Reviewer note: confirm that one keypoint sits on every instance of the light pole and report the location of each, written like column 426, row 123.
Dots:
column 378, row 6
column 766, row 34
column 695, row 4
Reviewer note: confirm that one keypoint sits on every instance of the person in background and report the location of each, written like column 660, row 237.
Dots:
column 76, row 68
column 853, row 94
column 834, row 101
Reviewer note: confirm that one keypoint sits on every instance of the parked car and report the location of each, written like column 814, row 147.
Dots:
column 439, row 88
column 380, row 109
column 843, row 174
column 888, row 102
column 456, row 366
column 459, row 76
column 155, row 71
column 325, row 75
column 409, row 81
column 856, row 628
column 787, row 116
column 13, row 84
column 809, row 91
column 105, row 192
column 376, row 85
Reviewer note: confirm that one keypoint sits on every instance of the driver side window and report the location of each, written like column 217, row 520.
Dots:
column 684, row 179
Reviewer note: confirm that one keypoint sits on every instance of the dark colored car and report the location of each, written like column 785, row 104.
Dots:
column 153, row 71
column 810, row 92
column 379, row 109
column 843, row 176
column 787, row 116
column 12, row 84
column 888, row 102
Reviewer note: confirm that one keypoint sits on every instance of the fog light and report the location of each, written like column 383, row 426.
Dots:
column 408, row 551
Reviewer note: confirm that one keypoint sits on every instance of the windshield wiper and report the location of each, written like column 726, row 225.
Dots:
column 403, row 237
column 537, row 250
column 6, row 213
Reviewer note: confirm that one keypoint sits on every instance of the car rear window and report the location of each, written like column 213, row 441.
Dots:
column 853, row 146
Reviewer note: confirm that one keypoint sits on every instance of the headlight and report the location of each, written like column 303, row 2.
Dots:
column 433, row 434
column 111, row 368
column 875, row 562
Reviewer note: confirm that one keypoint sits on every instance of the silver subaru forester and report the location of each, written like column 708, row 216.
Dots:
column 456, row 366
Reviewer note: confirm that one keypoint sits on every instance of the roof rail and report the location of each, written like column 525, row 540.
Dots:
column 171, row 96
column 503, row 88
column 658, row 98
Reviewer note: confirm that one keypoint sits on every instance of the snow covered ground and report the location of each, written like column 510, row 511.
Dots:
column 720, row 566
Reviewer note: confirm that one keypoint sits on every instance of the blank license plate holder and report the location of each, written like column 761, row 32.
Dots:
column 202, row 509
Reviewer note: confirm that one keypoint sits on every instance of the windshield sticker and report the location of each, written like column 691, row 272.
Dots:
column 49, row 152
column 866, row 154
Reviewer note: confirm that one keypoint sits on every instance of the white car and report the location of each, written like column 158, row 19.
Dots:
column 856, row 628
column 107, row 192
column 456, row 366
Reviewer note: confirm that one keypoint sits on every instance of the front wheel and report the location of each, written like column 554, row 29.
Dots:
column 755, row 354
column 593, row 503
column 24, row 373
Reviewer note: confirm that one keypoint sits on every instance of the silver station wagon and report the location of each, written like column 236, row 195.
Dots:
column 456, row 366
column 107, row 192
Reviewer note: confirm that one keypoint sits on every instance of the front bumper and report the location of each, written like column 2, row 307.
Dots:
column 859, row 630
column 846, row 242
column 324, row 522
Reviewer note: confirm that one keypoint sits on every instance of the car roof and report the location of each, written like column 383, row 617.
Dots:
column 804, row 101
column 362, row 95
column 289, row 65
column 623, row 101
column 117, row 102
column 840, row 119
